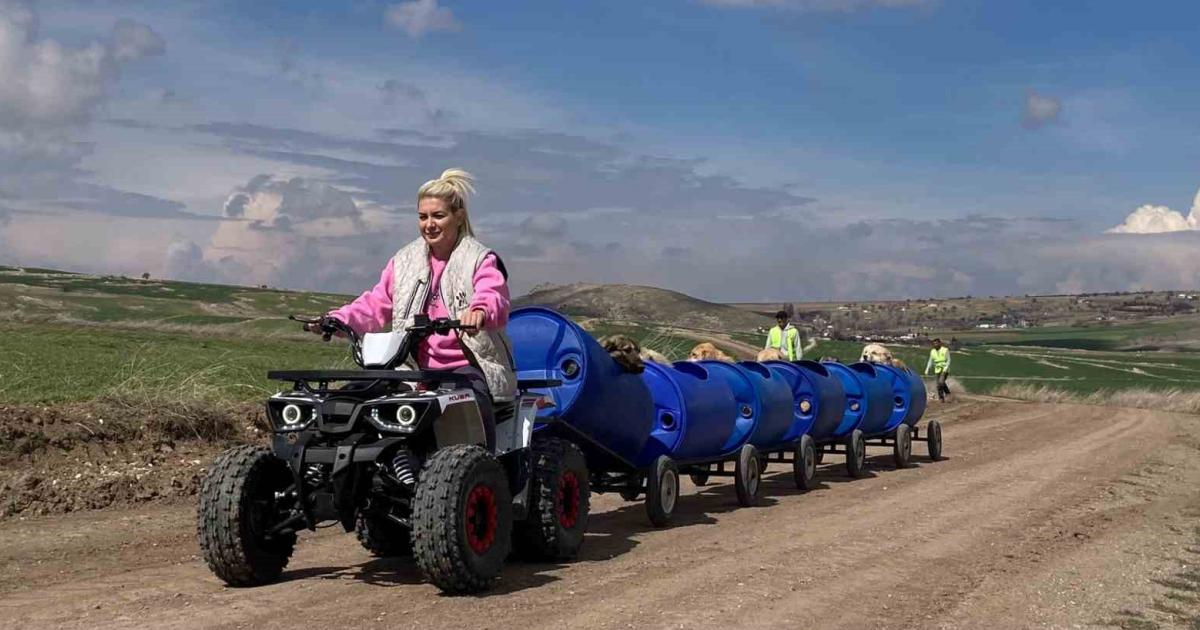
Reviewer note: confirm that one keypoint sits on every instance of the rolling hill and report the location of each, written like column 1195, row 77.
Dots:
column 632, row 303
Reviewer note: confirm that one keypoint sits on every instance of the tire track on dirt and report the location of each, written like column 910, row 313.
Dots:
column 920, row 547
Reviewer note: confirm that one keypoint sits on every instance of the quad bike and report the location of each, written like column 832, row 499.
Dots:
column 400, row 458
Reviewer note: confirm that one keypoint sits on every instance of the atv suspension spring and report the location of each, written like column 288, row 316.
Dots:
column 402, row 468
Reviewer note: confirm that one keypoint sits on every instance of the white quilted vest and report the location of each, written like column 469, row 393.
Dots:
column 491, row 349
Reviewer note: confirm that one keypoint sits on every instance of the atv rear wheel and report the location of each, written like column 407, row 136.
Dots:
column 238, row 507
column 462, row 519
column 558, row 503
column 382, row 536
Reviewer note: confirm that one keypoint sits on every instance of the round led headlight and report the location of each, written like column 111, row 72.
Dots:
column 406, row 415
column 805, row 406
column 854, row 406
column 292, row 414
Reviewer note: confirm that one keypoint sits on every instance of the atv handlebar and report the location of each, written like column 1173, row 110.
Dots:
column 422, row 327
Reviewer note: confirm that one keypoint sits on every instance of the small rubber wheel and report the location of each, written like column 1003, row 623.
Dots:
column 700, row 478
column 763, row 463
column 747, row 475
column 934, row 440
column 820, row 457
column 902, row 447
column 631, row 494
column 662, row 491
column 856, row 454
column 804, row 463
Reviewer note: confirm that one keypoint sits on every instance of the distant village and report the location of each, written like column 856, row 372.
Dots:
column 915, row 320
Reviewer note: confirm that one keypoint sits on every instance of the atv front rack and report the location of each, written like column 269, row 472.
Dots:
column 304, row 377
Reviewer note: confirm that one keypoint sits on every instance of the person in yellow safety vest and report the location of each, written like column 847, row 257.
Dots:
column 785, row 337
column 939, row 360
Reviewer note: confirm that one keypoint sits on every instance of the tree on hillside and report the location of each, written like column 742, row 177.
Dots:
column 146, row 276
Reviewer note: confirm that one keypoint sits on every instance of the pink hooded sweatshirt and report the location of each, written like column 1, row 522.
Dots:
column 372, row 311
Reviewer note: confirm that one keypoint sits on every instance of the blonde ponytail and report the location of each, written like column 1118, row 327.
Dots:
column 453, row 187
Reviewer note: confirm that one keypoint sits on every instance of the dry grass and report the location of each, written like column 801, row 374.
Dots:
column 1172, row 399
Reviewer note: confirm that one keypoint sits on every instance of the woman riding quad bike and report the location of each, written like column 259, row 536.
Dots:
column 435, row 461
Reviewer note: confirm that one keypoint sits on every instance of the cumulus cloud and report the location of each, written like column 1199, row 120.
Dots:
column 134, row 40
column 421, row 16
column 1039, row 110
column 1149, row 219
column 282, row 225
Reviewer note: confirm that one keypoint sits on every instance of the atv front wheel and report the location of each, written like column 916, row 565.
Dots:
column 462, row 519
column 558, row 500
column 382, row 536
column 238, row 508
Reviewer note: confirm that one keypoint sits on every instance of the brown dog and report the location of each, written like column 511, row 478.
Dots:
column 770, row 354
column 625, row 351
column 707, row 351
column 653, row 355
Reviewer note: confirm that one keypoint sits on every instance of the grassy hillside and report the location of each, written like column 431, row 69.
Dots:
column 72, row 337
column 627, row 303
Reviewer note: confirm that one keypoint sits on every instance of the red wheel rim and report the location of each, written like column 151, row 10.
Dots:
column 481, row 518
column 568, row 500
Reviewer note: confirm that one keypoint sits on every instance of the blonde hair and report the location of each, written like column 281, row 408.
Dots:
column 453, row 187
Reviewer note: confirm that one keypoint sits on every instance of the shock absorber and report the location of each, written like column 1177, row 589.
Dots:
column 402, row 468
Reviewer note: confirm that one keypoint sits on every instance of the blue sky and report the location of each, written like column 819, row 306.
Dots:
column 731, row 149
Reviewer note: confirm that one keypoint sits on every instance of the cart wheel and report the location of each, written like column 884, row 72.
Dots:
column 804, row 463
column 902, row 448
column 700, row 478
column 819, row 457
column 631, row 494
column 934, row 440
column 747, row 475
column 856, row 454
column 662, row 490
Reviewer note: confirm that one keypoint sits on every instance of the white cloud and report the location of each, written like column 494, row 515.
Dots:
column 1040, row 110
column 1150, row 219
column 421, row 16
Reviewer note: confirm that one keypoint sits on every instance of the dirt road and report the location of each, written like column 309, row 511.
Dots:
column 1042, row 516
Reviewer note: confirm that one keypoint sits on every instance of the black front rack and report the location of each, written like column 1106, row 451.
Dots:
column 312, row 376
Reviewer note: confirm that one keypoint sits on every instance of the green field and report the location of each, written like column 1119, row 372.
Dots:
column 71, row 337
column 982, row 368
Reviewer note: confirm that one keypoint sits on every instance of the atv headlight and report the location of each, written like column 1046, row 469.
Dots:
column 399, row 418
column 286, row 415
column 292, row 414
column 406, row 415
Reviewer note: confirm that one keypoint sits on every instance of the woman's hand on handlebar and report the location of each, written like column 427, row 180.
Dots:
column 472, row 320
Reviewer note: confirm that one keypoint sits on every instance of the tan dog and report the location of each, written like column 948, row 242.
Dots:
column 707, row 351
column 770, row 354
column 653, row 355
column 625, row 351
column 876, row 353
column 896, row 362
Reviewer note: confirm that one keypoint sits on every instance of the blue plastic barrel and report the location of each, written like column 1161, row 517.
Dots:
column 597, row 397
column 902, row 395
column 817, row 397
column 877, row 394
column 855, row 407
column 694, row 414
column 918, row 397
column 764, row 411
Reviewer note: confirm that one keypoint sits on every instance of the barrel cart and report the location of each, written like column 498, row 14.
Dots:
column 817, row 402
column 637, row 432
column 908, row 407
column 710, row 414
